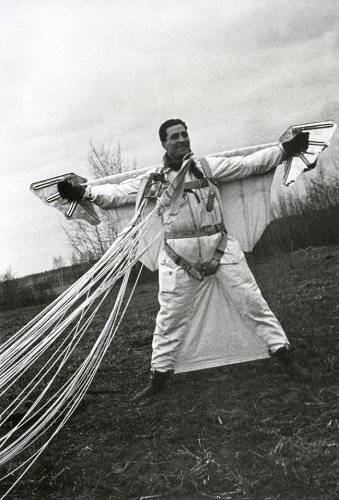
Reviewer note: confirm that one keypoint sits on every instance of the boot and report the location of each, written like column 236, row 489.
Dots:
column 291, row 366
column 157, row 383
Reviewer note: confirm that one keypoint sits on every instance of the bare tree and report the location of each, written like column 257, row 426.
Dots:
column 8, row 289
column 105, row 160
column 58, row 264
column 89, row 243
column 8, row 275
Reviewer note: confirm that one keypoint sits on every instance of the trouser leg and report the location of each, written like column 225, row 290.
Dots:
column 238, row 284
column 177, row 291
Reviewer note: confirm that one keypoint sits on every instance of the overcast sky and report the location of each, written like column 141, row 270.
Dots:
column 238, row 72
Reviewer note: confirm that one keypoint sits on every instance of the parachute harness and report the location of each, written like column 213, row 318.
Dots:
column 172, row 198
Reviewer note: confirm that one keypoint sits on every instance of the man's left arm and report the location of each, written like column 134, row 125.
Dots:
column 238, row 167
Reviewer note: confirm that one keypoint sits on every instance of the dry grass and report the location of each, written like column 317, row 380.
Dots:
column 244, row 431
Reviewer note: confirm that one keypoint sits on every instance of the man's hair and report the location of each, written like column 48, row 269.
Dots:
column 169, row 123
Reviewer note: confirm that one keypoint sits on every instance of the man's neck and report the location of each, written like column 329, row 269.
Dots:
column 174, row 163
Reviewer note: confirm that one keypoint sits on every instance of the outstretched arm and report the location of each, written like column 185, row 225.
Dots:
column 105, row 196
column 109, row 196
column 239, row 167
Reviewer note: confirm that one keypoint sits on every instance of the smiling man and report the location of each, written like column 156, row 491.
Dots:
column 174, row 139
column 197, row 247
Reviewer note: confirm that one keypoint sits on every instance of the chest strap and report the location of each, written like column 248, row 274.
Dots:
column 199, row 271
column 200, row 183
column 195, row 233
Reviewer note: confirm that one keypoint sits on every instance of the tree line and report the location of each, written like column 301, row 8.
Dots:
column 311, row 220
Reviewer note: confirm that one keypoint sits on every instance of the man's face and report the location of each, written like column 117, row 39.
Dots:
column 177, row 142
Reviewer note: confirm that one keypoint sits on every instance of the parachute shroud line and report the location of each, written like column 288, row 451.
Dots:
column 57, row 398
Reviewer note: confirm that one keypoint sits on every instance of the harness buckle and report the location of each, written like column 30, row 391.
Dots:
column 195, row 273
column 155, row 185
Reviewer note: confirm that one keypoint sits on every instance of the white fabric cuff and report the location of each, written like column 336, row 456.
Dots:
column 88, row 194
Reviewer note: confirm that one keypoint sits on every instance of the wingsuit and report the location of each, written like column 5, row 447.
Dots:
column 196, row 246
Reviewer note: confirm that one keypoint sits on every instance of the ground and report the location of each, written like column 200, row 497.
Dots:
column 245, row 431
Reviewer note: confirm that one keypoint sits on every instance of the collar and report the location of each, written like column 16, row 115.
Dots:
column 169, row 164
column 175, row 166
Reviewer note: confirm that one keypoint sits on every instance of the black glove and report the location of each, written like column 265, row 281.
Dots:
column 297, row 145
column 70, row 192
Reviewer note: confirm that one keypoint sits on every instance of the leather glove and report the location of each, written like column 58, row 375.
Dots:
column 297, row 145
column 70, row 192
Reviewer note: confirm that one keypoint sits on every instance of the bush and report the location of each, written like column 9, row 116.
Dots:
column 304, row 222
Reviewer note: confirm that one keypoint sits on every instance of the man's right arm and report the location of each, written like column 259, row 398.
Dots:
column 106, row 196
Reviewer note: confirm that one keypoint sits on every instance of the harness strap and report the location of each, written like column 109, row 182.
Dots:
column 143, row 188
column 213, row 265
column 199, row 183
column 173, row 194
column 198, row 271
column 195, row 233
column 179, row 261
column 212, row 190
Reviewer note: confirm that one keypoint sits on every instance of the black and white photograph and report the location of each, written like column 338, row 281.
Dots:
column 169, row 271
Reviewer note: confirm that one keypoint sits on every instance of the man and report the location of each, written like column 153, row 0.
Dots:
column 197, row 247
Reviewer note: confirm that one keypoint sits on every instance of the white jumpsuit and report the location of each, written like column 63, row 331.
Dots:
column 177, row 289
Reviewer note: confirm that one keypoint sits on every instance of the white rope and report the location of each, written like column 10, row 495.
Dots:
column 47, row 334
column 22, row 345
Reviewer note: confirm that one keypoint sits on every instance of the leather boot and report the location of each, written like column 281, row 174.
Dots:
column 157, row 383
column 291, row 366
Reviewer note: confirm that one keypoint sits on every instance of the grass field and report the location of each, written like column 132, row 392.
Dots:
column 245, row 431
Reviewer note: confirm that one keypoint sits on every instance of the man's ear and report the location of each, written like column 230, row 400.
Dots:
column 163, row 143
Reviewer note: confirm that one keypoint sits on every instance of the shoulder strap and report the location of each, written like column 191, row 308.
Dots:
column 205, row 167
column 212, row 190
